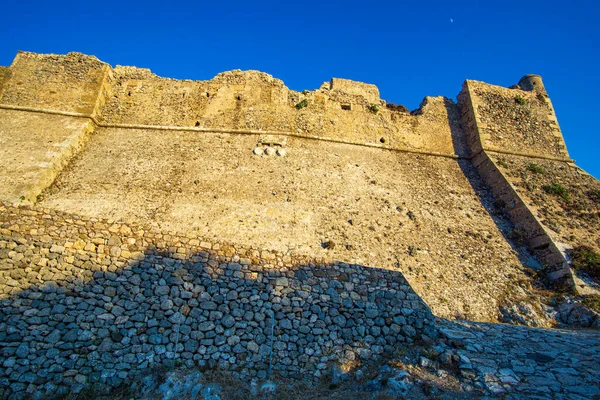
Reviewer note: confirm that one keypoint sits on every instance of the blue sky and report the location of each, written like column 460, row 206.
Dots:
column 409, row 50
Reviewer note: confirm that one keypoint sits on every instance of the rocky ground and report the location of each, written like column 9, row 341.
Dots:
column 470, row 360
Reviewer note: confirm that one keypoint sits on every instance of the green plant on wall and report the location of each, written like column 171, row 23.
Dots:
column 584, row 258
column 594, row 195
column 302, row 104
column 519, row 100
column 502, row 163
column 373, row 108
column 535, row 168
column 557, row 190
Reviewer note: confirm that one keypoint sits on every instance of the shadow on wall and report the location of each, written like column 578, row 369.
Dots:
column 459, row 140
column 98, row 321
column 493, row 206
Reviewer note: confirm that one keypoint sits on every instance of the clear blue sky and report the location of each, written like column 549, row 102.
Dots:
column 408, row 49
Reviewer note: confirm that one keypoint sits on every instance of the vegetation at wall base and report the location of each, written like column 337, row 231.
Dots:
column 585, row 259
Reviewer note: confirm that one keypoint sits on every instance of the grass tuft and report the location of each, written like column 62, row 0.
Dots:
column 557, row 190
column 586, row 259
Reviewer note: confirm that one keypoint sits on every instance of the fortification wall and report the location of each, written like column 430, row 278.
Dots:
column 87, row 302
column 519, row 151
column 512, row 120
column 34, row 148
column 341, row 110
column 565, row 200
column 68, row 83
column 421, row 215
column 4, row 75
column 252, row 100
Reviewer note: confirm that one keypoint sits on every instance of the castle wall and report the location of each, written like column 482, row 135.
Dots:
column 417, row 214
column 347, row 87
column 4, row 75
column 514, row 121
column 570, row 217
column 86, row 302
column 66, row 83
column 34, row 148
column 252, row 100
column 503, row 122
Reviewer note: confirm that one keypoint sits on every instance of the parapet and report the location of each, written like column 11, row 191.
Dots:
column 69, row 83
column 368, row 91
column 341, row 109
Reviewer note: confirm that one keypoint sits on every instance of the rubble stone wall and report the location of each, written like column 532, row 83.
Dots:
column 512, row 120
column 514, row 124
column 91, row 302
column 340, row 110
column 68, row 83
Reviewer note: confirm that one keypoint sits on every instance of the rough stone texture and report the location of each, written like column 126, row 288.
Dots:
column 4, row 74
column 71, row 304
column 515, row 362
column 70, row 83
column 572, row 220
column 417, row 214
column 30, row 163
column 317, row 177
column 513, row 120
column 257, row 101
column 515, row 123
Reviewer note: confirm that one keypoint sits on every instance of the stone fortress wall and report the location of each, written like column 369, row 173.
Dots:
column 330, row 178
column 88, row 301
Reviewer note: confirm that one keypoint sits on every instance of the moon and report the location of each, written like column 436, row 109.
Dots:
column 451, row 20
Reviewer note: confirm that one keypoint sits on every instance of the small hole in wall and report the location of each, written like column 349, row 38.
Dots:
column 197, row 123
column 239, row 96
column 346, row 107
column 207, row 94
column 128, row 93
column 382, row 140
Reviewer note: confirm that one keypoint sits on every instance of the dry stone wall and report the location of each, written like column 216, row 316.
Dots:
column 89, row 302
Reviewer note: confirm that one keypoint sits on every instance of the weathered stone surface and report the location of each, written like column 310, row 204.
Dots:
column 157, row 307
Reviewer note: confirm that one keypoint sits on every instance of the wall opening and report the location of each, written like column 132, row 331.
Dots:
column 346, row 107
